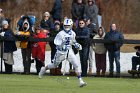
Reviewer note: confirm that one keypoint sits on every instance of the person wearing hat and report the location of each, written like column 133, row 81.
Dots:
column 9, row 47
column 39, row 48
column 2, row 18
column 46, row 22
column 53, row 33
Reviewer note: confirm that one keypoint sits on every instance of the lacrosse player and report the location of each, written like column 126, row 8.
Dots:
column 64, row 41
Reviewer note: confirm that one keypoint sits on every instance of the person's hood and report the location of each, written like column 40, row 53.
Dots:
column 27, row 27
column 103, row 32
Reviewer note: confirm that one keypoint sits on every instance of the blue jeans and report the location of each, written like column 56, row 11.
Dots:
column 84, row 53
column 114, row 55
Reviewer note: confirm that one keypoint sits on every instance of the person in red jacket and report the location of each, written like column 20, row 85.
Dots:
column 38, row 48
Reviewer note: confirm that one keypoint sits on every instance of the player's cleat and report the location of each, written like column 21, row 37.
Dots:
column 82, row 84
column 42, row 72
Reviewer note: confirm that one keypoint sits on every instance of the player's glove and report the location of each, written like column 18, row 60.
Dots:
column 78, row 46
column 2, row 33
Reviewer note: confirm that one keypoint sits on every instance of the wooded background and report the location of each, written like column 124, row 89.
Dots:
column 125, row 13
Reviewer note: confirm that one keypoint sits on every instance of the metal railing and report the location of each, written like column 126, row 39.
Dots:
column 50, row 39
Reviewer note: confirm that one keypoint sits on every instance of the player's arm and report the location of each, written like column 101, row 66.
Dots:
column 76, row 44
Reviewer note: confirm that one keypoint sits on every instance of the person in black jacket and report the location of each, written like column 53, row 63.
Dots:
column 9, row 47
column 83, row 33
column 46, row 22
column 135, row 61
column 114, row 48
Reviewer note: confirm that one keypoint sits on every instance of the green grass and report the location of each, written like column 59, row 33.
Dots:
column 59, row 84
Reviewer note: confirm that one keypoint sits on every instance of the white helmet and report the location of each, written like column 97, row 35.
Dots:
column 68, row 23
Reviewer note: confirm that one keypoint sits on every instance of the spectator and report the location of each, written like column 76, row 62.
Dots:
column 57, row 10
column 9, row 47
column 101, row 8
column 78, row 11
column 114, row 48
column 2, row 18
column 91, row 11
column 39, row 48
column 93, row 32
column 46, row 22
column 24, row 34
column 100, row 53
column 84, row 34
column 135, row 61
column 53, row 33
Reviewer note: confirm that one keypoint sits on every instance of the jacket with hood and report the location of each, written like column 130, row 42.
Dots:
column 38, row 48
column 24, row 34
column 57, row 10
column 117, row 40
column 91, row 11
column 78, row 11
column 99, row 48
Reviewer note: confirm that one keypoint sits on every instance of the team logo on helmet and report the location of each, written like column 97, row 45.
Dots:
column 68, row 23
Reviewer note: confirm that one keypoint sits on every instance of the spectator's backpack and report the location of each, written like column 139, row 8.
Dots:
column 31, row 19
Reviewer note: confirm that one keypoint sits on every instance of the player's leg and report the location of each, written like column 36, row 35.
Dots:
column 73, row 60
column 57, row 60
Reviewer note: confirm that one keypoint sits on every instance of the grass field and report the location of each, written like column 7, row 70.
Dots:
column 59, row 84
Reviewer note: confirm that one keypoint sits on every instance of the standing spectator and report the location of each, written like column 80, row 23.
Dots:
column 53, row 33
column 93, row 32
column 100, row 53
column 101, row 8
column 84, row 34
column 91, row 11
column 135, row 61
column 39, row 48
column 46, row 22
column 24, row 34
column 77, row 11
column 57, row 10
column 9, row 47
column 114, row 48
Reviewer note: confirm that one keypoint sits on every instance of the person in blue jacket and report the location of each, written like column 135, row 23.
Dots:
column 57, row 10
column 83, row 34
column 114, row 48
column 9, row 47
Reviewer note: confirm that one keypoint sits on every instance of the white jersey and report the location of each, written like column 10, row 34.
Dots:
column 64, row 41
